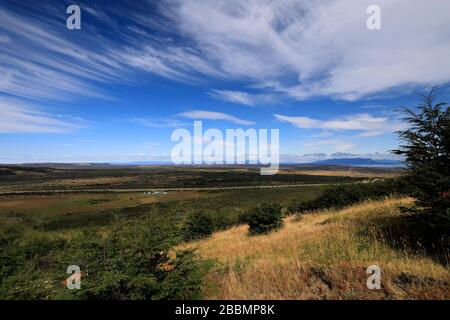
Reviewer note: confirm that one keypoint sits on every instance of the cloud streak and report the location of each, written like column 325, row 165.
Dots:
column 212, row 115
column 42, row 64
column 159, row 123
column 368, row 124
column 244, row 98
column 296, row 49
column 16, row 118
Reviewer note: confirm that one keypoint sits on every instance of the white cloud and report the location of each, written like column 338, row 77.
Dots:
column 98, row 14
column 116, row 158
column 17, row 118
column 370, row 134
column 370, row 125
column 321, row 47
column 176, row 63
column 234, row 96
column 41, row 63
column 212, row 115
column 243, row 97
column 373, row 106
column 284, row 158
column 296, row 48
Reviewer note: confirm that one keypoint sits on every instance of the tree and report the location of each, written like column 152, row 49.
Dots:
column 198, row 225
column 264, row 219
column 426, row 148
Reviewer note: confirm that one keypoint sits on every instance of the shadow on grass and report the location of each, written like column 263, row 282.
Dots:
column 416, row 234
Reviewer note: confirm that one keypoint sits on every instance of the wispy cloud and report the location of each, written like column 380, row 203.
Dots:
column 373, row 106
column 42, row 64
column 368, row 124
column 100, row 158
column 159, row 123
column 320, row 48
column 291, row 48
column 16, row 118
column 212, row 115
column 244, row 98
column 234, row 96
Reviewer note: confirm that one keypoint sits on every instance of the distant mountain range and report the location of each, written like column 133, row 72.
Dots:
column 359, row 162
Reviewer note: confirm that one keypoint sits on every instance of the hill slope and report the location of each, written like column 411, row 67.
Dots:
column 325, row 256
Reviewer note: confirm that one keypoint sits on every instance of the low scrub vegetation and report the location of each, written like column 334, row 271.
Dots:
column 113, row 177
column 131, row 260
column 340, row 196
column 198, row 225
column 264, row 219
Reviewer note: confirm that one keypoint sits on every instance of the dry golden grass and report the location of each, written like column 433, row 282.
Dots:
column 109, row 181
column 321, row 256
column 342, row 173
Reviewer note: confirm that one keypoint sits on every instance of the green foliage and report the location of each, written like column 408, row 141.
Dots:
column 426, row 148
column 123, row 252
column 131, row 261
column 264, row 219
column 75, row 220
column 198, row 225
column 345, row 195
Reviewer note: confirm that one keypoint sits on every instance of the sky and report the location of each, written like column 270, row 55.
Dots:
column 116, row 89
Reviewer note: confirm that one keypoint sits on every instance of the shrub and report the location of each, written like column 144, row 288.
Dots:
column 198, row 225
column 133, row 261
column 263, row 219
column 345, row 195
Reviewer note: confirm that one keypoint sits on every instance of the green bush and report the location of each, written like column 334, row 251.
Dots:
column 198, row 225
column 345, row 195
column 263, row 219
column 131, row 261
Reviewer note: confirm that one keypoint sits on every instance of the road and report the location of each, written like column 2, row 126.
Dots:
column 25, row 192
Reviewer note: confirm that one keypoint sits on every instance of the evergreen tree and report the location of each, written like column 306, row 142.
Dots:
column 197, row 226
column 426, row 148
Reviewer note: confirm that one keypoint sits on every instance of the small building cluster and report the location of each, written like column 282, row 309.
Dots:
column 154, row 193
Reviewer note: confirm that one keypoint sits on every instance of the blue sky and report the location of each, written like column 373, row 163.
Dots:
column 137, row 70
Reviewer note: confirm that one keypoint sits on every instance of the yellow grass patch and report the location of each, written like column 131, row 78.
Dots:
column 322, row 255
column 109, row 181
column 341, row 173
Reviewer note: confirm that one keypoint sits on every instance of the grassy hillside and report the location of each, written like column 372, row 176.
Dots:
column 325, row 256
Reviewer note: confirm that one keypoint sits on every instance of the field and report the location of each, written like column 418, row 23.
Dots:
column 72, row 211
column 67, row 198
column 55, row 216
column 97, row 178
